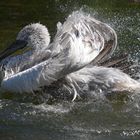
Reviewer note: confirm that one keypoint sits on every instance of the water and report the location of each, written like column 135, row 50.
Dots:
column 98, row 118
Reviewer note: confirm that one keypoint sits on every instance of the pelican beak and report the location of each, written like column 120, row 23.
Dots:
column 15, row 46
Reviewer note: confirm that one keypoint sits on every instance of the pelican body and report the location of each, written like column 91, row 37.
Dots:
column 70, row 60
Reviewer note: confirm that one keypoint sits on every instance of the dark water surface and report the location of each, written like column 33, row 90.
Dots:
column 95, row 119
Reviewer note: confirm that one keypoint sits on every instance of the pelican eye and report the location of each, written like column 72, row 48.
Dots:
column 76, row 33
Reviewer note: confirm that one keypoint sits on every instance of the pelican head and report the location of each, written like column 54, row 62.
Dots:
column 34, row 36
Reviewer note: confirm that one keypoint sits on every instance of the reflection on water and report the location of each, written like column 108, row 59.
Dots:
column 98, row 118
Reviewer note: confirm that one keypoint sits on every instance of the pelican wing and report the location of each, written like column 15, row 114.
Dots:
column 84, row 37
column 88, row 38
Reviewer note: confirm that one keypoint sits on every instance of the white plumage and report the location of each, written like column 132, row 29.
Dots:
column 79, row 43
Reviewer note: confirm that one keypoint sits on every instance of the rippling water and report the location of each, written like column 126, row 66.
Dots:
column 98, row 118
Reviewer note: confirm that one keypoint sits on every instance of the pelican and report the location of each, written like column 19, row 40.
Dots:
column 68, row 63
